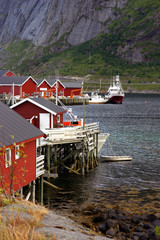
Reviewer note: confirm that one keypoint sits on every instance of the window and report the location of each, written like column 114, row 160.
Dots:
column 17, row 152
column 8, row 157
column 58, row 118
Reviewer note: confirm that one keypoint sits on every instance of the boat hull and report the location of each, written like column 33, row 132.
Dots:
column 116, row 100
column 96, row 102
column 115, row 158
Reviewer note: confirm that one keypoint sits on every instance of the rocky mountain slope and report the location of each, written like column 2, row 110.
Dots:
column 44, row 22
column 75, row 36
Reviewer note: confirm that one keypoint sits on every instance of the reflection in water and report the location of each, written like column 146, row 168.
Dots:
column 135, row 130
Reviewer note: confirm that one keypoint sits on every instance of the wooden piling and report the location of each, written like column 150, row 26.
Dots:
column 34, row 191
column 41, row 190
column 48, row 158
column 55, row 158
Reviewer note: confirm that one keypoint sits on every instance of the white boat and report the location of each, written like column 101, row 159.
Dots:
column 115, row 91
column 97, row 99
column 115, row 158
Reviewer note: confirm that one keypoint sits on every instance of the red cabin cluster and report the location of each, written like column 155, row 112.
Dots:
column 26, row 86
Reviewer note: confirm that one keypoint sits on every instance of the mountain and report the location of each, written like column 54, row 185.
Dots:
column 80, row 36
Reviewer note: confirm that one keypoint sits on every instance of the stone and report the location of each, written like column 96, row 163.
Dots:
column 149, row 217
column 100, row 218
column 148, row 225
column 139, row 229
column 110, row 223
column 125, row 227
column 156, row 222
column 112, row 214
column 111, row 232
column 103, row 227
column 135, row 219
column 140, row 236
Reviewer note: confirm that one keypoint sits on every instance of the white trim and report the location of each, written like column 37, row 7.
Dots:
column 51, row 120
column 35, row 103
column 44, row 80
column 59, row 82
column 27, row 80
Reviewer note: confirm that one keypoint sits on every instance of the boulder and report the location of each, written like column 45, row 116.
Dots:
column 126, row 228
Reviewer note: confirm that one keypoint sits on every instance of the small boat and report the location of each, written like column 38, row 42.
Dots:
column 97, row 99
column 115, row 158
column 115, row 92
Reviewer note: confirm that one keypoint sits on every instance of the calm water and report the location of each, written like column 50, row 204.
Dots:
column 135, row 130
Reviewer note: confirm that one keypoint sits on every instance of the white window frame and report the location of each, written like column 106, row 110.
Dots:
column 8, row 158
column 17, row 152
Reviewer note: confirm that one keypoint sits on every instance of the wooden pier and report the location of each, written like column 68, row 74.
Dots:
column 72, row 148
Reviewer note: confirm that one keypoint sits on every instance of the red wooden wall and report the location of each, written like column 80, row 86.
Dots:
column 29, row 87
column 25, row 171
column 9, row 89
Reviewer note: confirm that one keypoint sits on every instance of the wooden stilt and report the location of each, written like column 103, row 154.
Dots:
column 92, row 165
column 87, row 166
column 97, row 150
column 55, row 159
column 41, row 190
column 83, row 160
column 34, row 191
column 48, row 158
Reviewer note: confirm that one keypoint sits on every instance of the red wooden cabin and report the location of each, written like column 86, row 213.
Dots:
column 18, row 144
column 68, row 89
column 40, row 112
column 44, row 88
column 7, row 73
column 22, row 86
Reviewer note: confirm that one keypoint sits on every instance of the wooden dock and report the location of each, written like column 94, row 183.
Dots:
column 73, row 148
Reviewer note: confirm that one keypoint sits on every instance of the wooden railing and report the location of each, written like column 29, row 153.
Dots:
column 71, row 133
column 40, row 166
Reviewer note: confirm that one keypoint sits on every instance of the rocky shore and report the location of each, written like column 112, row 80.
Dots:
column 121, row 225
column 53, row 225
column 89, row 222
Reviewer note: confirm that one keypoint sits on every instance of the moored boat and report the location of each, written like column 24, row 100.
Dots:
column 95, row 98
column 115, row 92
column 105, row 158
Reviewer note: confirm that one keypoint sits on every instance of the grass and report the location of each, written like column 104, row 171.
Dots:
column 18, row 228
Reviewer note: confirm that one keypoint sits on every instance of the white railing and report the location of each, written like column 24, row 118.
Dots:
column 69, row 134
column 66, row 133
column 40, row 166
column 92, row 127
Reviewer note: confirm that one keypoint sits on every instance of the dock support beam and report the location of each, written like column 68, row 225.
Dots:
column 34, row 191
column 48, row 158
column 55, row 159
column 41, row 190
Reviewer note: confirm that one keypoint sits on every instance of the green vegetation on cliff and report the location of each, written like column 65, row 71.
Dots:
column 130, row 48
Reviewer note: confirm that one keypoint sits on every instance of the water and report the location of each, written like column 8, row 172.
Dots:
column 135, row 130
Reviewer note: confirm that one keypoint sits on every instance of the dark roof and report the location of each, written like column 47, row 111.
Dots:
column 14, row 128
column 17, row 80
column 3, row 72
column 50, row 82
column 71, row 84
column 49, row 105
column 44, row 104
